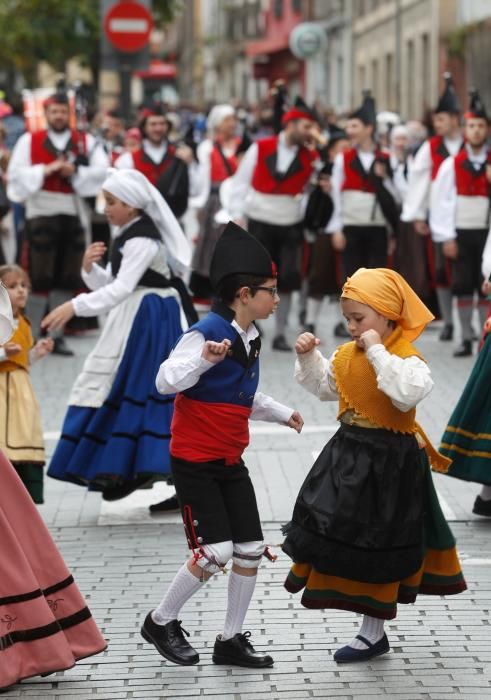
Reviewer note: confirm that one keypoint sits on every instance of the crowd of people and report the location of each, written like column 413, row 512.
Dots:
column 389, row 218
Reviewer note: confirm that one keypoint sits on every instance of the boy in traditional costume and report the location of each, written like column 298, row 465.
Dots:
column 367, row 531
column 214, row 369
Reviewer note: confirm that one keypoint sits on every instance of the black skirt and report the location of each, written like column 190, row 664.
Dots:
column 359, row 513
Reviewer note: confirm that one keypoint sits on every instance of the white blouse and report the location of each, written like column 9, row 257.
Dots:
column 405, row 381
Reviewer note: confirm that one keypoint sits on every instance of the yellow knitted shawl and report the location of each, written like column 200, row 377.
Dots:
column 358, row 391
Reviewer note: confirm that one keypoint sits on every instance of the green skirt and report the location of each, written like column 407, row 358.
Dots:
column 467, row 438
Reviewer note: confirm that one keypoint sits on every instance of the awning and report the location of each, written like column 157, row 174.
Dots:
column 265, row 46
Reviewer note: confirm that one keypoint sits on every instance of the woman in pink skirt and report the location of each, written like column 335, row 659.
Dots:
column 45, row 624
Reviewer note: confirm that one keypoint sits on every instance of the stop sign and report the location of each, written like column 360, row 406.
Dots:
column 127, row 26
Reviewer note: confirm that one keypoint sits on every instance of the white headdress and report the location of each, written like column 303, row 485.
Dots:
column 217, row 114
column 6, row 316
column 133, row 188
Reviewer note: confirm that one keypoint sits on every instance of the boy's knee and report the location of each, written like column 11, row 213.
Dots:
column 213, row 557
column 248, row 554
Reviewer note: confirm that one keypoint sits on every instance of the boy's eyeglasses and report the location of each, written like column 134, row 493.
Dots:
column 272, row 290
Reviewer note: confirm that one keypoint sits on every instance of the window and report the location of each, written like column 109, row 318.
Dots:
column 410, row 77
column 278, row 9
column 425, row 83
column 389, row 81
column 297, row 6
column 375, row 79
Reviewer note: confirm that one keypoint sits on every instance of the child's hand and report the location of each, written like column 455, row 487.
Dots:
column 11, row 349
column 305, row 343
column 93, row 253
column 486, row 288
column 295, row 421
column 216, row 352
column 43, row 347
column 58, row 317
column 369, row 338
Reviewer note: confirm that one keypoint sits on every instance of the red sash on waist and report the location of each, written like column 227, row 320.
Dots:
column 203, row 432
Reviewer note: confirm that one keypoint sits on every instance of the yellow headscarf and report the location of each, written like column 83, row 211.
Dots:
column 390, row 295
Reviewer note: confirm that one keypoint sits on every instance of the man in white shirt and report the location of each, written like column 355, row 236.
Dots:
column 419, row 200
column 51, row 171
column 459, row 218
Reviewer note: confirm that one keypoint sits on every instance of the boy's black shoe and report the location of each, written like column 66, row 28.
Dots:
column 170, row 505
column 340, row 331
column 279, row 343
column 447, row 332
column 482, row 507
column 464, row 349
column 170, row 641
column 238, row 651
column 116, row 493
column 61, row 348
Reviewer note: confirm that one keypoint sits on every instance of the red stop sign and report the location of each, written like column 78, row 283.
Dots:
column 127, row 26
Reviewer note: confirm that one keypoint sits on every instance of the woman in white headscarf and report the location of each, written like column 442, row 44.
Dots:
column 217, row 156
column 45, row 624
column 116, row 432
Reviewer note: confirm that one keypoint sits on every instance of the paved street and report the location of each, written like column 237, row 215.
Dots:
column 123, row 560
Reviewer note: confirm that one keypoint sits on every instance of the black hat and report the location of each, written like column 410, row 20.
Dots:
column 244, row 144
column 336, row 134
column 366, row 113
column 239, row 253
column 448, row 101
column 476, row 110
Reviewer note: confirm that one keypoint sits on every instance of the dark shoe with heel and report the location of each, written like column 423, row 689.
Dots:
column 464, row 349
column 238, row 651
column 170, row 642
column 482, row 507
column 61, row 348
column 447, row 332
column 170, row 505
column 340, row 331
column 279, row 343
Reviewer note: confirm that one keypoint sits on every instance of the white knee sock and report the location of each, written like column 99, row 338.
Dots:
column 486, row 493
column 313, row 310
column 282, row 312
column 184, row 585
column 372, row 629
column 240, row 590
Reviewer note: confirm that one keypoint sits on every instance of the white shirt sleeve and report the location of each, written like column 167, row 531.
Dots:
column 88, row 179
column 23, row 178
column 335, row 223
column 313, row 371
column 405, row 381
column 124, row 161
column 242, row 181
column 184, row 366
column 486, row 258
column 138, row 254
column 265, row 408
column 97, row 277
column 419, row 182
column 444, row 203
column 200, row 196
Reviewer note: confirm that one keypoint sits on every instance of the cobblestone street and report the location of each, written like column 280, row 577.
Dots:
column 123, row 560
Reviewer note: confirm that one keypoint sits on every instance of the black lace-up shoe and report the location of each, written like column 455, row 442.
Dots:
column 280, row 343
column 169, row 640
column 482, row 507
column 447, row 332
column 464, row 349
column 238, row 651
column 340, row 331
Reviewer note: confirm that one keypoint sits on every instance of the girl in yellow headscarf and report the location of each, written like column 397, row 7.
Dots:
column 367, row 530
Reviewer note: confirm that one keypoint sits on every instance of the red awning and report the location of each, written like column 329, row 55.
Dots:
column 158, row 69
column 265, row 46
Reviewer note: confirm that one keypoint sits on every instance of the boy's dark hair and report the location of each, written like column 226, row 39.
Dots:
column 227, row 289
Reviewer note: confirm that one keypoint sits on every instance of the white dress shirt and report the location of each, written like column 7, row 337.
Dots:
column 419, row 197
column 243, row 177
column 157, row 154
column 185, row 365
column 405, row 381
column 444, row 210
column 138, row 255
column 25, row 180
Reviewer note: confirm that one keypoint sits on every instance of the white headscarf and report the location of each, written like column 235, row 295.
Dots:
column 133, row 188
column 217, row 114
column 6, row 316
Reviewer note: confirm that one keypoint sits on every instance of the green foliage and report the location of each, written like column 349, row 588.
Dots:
column 56, row 31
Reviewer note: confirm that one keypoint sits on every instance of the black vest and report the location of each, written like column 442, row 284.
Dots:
column 143, row 228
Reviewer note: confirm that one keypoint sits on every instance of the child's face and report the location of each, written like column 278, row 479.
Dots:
column 264, row 302
column 361, row 318
column 17, row 289
column 118, row 213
